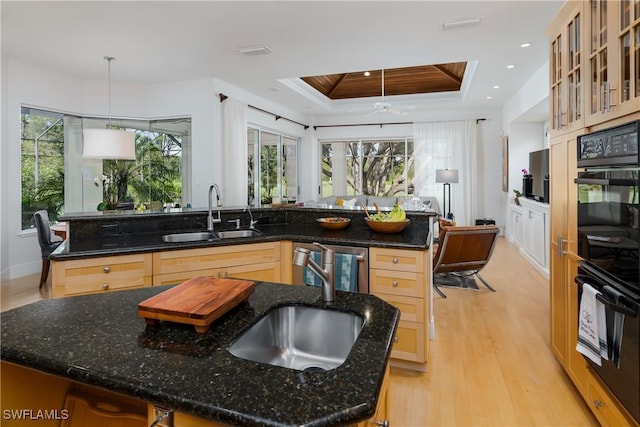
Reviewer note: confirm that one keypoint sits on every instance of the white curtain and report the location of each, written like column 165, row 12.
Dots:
column 448, row 145
column 234, row 153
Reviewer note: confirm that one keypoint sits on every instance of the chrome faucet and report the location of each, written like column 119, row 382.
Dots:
column 251, row 221
column 326, row 272
column 210, row 219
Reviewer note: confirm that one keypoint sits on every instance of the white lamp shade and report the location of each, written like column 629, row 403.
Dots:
column 109, row 144
column 447, row 176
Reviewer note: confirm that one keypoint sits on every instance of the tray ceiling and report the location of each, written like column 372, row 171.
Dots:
column 397, row 81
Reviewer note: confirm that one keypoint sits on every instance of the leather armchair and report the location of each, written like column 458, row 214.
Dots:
column 464, row 251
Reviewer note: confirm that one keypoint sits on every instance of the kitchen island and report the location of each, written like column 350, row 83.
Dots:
column 100, row 341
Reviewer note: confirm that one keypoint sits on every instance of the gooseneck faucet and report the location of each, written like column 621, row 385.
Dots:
column 251, row 221
column 326, row 272
column 210, row 219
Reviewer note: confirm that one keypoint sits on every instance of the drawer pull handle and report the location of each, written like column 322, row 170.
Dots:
column 598, row 403
column 384, row 423
column 395, row 283
column 105, row 286
column 107, row 269
column 395, row 339
column 395, row 260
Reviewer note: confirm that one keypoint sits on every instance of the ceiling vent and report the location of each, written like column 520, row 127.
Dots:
column 460, row 23
column 255, row 50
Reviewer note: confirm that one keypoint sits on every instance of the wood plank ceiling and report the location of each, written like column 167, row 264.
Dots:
column 397, row 81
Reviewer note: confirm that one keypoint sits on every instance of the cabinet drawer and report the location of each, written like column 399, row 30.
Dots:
column 101, row 274
column 397, row 259
column 409, row 342
column 397, row 283
column 214, row 257
column 411, row 309
column 603, row 405
column 263, row 272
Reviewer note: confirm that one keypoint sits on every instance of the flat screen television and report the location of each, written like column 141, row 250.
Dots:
column 539, row 170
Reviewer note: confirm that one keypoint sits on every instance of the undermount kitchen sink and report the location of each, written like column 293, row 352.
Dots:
column 188, row 237
column 232, row 234
column 300, row 337
column 209, row 235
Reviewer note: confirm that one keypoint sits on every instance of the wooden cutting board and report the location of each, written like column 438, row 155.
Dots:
column 198, row 301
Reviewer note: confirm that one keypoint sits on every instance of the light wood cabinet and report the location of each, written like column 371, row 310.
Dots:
column 566, row 69
column 401, row 277
column 102, row 274
column 563, row 232
column 256, row 261
column 612, row 46
column 598, row 42
column 64, row 403
column 604, row 405
column 101, row 410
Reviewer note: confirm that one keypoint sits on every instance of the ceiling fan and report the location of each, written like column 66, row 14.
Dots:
column 384, row 107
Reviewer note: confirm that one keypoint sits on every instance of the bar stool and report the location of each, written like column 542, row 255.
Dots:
column 48, row 243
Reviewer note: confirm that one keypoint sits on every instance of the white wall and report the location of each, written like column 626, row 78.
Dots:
column 525, row 134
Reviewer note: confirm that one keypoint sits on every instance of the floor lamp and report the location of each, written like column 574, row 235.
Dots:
column 447, row 177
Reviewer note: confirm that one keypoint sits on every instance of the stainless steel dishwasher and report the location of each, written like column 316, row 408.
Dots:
column 350, row 261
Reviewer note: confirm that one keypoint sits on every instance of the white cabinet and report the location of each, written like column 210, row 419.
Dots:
column 516, row 230
column 530, row 232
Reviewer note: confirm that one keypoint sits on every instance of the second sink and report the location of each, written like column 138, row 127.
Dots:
column 231, row 234
column 300, row 337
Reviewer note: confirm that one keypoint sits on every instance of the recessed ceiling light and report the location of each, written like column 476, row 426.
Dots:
column 489, row 97
column 496, row 87
column 255, row 50
column 457, row 23
column 367, row 74
column 525, row 44
column 510, row 66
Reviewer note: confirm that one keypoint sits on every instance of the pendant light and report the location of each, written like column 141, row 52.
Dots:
column 109, row 143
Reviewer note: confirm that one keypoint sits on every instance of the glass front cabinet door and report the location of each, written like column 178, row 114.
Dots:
column 613, row 46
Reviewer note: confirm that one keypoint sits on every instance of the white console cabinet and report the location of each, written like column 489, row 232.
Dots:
column 529, row 224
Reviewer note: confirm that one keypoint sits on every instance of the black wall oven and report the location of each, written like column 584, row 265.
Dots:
column 608, row 235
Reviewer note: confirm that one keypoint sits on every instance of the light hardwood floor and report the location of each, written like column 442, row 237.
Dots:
column 490, row 364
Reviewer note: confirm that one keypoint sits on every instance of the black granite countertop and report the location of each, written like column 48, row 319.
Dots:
column 100, row 340
column 122, row 234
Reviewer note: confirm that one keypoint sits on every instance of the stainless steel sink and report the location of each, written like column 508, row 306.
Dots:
column 300, row 337
column 188, row 237
column 206, row 235
column 232, row 234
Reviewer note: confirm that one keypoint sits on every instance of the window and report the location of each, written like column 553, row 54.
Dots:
column 273, row 167
column 366, row 166
column 56, row 178
column 42, row 164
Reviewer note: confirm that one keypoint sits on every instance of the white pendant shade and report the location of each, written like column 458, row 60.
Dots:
column 109, row 144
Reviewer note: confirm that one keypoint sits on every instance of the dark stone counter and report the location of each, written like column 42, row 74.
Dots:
column 121, row 234
column 100, row 340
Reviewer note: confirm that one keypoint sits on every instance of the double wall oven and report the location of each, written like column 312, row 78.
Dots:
column 608, row 235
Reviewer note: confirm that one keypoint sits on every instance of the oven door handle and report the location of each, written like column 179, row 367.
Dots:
column 618, row 308
column 604, row 181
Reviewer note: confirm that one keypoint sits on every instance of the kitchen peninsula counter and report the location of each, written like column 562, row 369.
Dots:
column 99, row 234
column 100, row 340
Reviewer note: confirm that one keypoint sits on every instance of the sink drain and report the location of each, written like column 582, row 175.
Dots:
column 314, row 369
